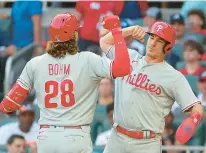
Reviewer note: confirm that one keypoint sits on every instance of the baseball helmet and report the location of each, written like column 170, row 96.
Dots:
column 62, row 27
column 166, row 32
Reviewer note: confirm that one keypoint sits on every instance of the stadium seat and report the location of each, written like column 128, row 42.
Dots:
column 203, row 63
column 97, row 125
column 5, row 25
column 178, row 50
column 204, row 47
column 198, row 37
column 37, row 112
column 193, row 82
column 3, row 149
column 139, row 22
column 8, row 120
column 98, row 149
column 180, row 65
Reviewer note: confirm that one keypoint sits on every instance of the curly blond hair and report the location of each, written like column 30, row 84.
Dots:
column 60, row 49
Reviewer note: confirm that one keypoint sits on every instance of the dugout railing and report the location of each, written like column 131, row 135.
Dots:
column 15, row 65
column 187, row 149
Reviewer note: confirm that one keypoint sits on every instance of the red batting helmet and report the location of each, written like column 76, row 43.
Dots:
column 62, row 27
column 166, row 32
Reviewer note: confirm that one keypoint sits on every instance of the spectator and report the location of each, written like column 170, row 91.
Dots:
column 26, row 126
column 105, row 89
column 168, row 137
column 196, row 22
column 90, row 13
column 138, row 8
column 26, row 24
column 192, row 56
column 178, row 22
column 202, row 87
column 152, row 15
column 102, row 138
column 16, row 144
column 189, row 5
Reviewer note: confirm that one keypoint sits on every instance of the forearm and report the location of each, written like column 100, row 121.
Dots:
column 197, row 108
column 4, row 16
column 37, row 28
column 107, row 40
column 188, row 127
column 121, row 63
column 14, row 98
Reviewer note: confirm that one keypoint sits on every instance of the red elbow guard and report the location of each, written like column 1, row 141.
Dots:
column 121, row 63
column 15, row 97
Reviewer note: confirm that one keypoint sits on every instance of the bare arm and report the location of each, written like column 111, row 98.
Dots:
column 196, row 108
column 37, row 34
column 4, row 16
column 36, row 19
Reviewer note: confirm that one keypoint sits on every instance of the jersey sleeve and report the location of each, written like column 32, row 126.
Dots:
column 100, row 67
column 27, row 75
column 132, row 53
column 183, row 94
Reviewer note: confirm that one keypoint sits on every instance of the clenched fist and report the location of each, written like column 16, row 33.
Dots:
column 138, row 33
column 111, row 22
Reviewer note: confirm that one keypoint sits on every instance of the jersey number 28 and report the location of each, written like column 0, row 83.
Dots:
column 66, row 88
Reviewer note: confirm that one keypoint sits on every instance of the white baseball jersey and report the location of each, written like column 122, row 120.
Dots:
column 144, row 97
column 66, row 88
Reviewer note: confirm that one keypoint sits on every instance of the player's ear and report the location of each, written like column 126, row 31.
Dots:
column 76, row 34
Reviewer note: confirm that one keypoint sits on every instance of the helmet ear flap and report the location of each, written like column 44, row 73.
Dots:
column 168, row 48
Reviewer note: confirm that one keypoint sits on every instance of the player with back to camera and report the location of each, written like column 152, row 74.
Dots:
column 66, row 84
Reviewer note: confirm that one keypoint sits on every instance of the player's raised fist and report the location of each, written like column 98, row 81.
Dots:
column 138, row 33
column 111, row 22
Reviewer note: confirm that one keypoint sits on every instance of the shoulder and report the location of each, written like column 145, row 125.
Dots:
column 171, row 73
column 88, row 55
column 134, row 53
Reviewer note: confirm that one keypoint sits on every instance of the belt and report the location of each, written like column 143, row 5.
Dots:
column 66, row 127
column 135, row 134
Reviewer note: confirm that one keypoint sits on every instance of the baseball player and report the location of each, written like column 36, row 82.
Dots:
column 66, row 84
column 145, row 96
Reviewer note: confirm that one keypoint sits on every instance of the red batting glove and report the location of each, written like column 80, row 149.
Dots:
column 187, row 129
column 111, row 22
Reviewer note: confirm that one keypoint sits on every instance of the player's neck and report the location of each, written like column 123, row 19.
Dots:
column 149, row 59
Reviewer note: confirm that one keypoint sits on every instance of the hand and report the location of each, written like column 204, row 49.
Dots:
column 138, row 33
column 10, row 50
column 111, row 22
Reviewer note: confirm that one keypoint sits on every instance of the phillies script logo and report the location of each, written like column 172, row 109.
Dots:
column 142, row 81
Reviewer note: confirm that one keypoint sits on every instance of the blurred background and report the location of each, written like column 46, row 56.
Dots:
column 24, row 34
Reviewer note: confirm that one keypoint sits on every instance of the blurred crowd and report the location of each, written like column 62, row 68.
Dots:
column 188, row 56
